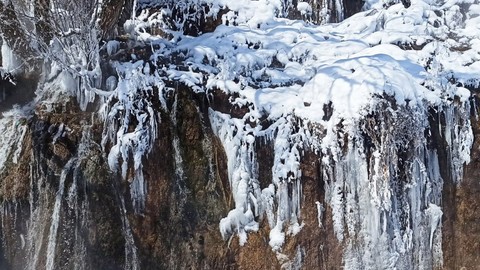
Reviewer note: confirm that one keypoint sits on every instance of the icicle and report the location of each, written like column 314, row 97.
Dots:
column 435, row 213
column 340, row 10
column 459, row 137
column 131, row 106
column 10, row 62
column 320, row 210
column 242, row 171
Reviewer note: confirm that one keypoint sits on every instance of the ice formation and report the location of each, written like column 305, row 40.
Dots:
column 359, row 94
column 126, row 105
column 10, row 62
column 376, row 162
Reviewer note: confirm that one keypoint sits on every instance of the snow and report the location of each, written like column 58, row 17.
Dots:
column 277, row 237
column 290, row 72
column 304, row 8
column 317, row 87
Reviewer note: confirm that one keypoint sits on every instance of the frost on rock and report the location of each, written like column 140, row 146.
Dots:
column 13, row 129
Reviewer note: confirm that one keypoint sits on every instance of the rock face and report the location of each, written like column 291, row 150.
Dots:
column 63, row 187
column 69, row 203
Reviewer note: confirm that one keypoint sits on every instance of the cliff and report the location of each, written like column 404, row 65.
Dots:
column 241, row 135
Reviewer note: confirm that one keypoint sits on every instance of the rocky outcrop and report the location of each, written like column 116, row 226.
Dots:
column 64, row 206
column 188, row 193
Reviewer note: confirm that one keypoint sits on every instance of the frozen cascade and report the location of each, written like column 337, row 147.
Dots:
column 77, row 199
column 181, row 191
column 281, row 201
column 129, row 143
column 393, row 187
column 394, row 179
column 55, row 219
column 286, row 175
column 382, row 172
column 239, row 143
column 458, row 136
column 37, row 222
column 131, row 256
column 376, row 162
column 72, row 167
column 45, row 217
column 179, row 169
column 376, row 154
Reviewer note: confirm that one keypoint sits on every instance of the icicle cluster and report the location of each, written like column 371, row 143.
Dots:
column 347, row 92
column 369, row 102
column 388, row 173
column 185, row 16
column 239, row 144
column 279, row 202
column 131, row 124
